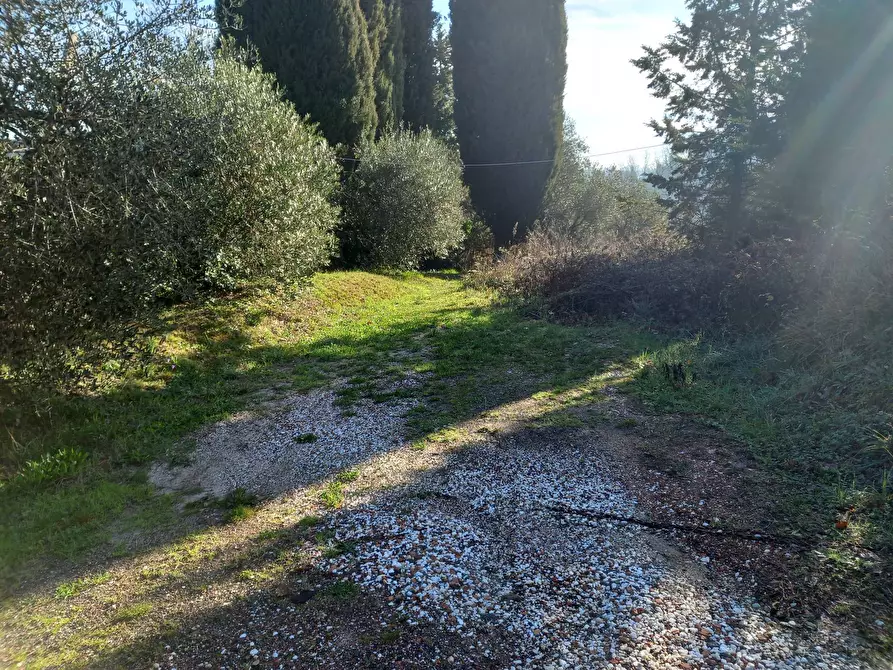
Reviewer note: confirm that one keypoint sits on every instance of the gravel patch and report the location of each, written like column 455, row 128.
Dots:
column 476, row 550
column 296, row 442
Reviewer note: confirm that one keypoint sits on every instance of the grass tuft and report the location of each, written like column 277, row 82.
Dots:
column 133, row 612
column 332, row 495
column 78, row 586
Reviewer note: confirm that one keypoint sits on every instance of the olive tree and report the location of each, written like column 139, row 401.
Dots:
column 404, row 203
column 137, row 166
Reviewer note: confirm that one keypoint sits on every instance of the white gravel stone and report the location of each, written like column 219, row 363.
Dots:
column 477, row 549
column 295, row 442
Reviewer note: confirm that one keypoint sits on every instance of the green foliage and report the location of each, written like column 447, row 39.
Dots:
column 344, row 590
column 444, row 125
column 419, row 19
column 589, row 206
column 839, row 140
column 238, row 505
column 238, row 498
column 133, row 612
column 55, row 467
column 172, row 174
column 404, row 202
column 332, row 495
column 320, row 53
column 497, row 45
column 385, row 31
column 347, row 477
column 722, row 75
column 274, row 179
column 390, row 79
column 376, row 26
column 477, row 248
column 72, row 589
column 309, row 522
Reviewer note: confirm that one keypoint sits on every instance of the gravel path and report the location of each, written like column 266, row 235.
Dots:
column 476, row 550
column 460, row 544
column 295, row 442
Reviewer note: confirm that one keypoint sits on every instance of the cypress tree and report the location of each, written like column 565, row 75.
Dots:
column 509, row 69
column 444, row 96
column 377, row 27
column 394, row 65
column 419, row 20
column 319, row 51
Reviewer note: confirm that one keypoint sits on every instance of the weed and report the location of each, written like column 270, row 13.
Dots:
column 308, row 522
column 389, row 636
column 78, row 586
column 52, row 468
column 238, row 505
column 239, row 513
column 306, row 438
column 339, row 549
column 347, row 477
column 626, row 423
column 238, row 498
column 332, row 496
column 344, row 590
column 133, row 612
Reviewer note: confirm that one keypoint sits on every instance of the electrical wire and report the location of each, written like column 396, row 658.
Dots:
column 540, row 162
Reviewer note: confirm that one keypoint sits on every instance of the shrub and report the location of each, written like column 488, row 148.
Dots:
column 848, row 295
column 477, row 248
column 271, row 179
column 602, row 206
column 604, row 249
column 157, row 173
column 404, row 202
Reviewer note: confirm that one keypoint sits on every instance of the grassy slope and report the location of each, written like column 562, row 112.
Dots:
column 222, row 357
column 227, row 355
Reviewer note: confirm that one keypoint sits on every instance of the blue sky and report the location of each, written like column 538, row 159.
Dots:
column 606, row 95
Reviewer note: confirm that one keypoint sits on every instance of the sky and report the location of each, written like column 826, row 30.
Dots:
column 607, row 96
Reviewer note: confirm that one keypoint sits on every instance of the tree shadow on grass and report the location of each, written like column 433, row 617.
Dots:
column 474, row 358
column 342, row 626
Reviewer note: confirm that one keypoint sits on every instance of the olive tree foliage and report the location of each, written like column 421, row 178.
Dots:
column 587, row 203
column 136, row 167
column 405, row 202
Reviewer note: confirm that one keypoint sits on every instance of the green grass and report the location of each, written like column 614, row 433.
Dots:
column 347, row 477
column 213, row 360
column 817, row 445
column 344, row 590
column 332, row 495
column 133, row 612
column 308, row 522
column 478, row 354
column 238, row 506
column 216, row 359
column 75, row 588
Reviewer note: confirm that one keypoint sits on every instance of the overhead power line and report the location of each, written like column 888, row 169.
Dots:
column 623, row 151
column 539, row 162
column 607, row 153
